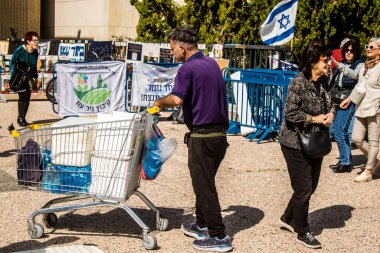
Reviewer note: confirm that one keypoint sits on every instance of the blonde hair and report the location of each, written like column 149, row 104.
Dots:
column 376, row 40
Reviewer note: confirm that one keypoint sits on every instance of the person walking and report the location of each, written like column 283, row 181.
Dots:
column 366, row 96
column 199, row 87
column 344, row 79
column 308, row 108
column 26, row 53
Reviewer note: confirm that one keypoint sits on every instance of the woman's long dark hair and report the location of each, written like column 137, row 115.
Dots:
column 355, row 45
column 311, row 55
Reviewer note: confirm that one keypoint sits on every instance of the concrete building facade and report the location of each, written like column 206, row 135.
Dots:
column 18, row 17
column 88, row 19
column 75, row 19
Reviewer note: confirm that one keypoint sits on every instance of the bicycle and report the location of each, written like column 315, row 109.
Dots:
column 50, row 90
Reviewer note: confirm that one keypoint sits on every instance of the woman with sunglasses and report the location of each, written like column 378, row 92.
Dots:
column 308, row 108
column 344, row 79
column 366, row 96
column 26, row 53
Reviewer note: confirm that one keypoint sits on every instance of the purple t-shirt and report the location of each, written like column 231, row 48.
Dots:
column 200, row 84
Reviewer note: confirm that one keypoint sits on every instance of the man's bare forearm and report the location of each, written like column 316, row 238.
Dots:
column 168, row 101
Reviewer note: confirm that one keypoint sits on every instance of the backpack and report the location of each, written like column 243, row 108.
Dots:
column 29, row 164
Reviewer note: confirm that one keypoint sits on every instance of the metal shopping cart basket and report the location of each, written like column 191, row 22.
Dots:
column 90, row 159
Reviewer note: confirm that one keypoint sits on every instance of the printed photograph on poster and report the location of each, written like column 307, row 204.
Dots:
column 4, row 47
column 202, row 48
column 4, row 81
column 151, row 52
column 134, row 51
column 217, row 50
column 166, row 56
column 120, row 49
column 40, row 64
column 50, row 60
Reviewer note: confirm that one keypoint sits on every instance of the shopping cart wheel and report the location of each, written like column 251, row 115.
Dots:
column 36, row 232
column 50, row 220
column 162, row 224
column 150, row 241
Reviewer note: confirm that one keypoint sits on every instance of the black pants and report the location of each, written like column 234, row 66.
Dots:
column 304, row 176
column 205, row 156
column 24, row 101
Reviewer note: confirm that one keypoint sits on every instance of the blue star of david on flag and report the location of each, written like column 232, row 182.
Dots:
column 281, row 21
column 278, row 28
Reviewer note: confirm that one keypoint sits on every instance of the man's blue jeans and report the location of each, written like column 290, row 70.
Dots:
column 343, row 118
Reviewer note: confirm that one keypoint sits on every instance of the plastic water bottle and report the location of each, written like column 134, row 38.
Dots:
column 51, row 179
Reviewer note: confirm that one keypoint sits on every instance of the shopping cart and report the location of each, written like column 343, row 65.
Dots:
column 95, row 160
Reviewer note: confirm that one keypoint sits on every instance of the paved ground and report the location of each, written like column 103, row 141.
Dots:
column 253, row 187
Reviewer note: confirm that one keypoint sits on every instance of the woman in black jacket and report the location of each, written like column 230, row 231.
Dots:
column 308, row 107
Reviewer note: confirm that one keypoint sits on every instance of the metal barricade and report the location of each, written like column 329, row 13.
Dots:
column 256, row 100
column 87, row 160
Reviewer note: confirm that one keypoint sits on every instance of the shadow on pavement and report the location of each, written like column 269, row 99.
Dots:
column 8, row 153
column 243, row 217
column 359, row 160
column 118, row 222
column 330, row 217
column 37, row 244
column 45, row 121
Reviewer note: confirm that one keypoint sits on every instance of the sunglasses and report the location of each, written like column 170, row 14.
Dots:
column 349, row 51
column 370, row 47
column 325, row 60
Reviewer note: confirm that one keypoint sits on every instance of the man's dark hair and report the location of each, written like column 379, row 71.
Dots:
column 185, row 35
column 29, row 36
column 355, row 45
column 311, row 56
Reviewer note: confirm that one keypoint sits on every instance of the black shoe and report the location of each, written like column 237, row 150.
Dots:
column 22, row 122
column 333, row 166
column 192, row 229
column 309, row 241
column 343, row 168
column 287, row 225
column 214, row 244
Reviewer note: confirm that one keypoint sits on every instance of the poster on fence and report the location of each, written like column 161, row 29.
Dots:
column 150, row 82
column 134, row 52
column 89, row 88
column 43, row 48
column 4, row 46
column 73, row 52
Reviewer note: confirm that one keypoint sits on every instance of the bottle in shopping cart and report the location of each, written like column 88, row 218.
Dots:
column 51, row 179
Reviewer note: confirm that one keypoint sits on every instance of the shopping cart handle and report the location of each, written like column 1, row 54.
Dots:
column 153, row 110
column 15, row 133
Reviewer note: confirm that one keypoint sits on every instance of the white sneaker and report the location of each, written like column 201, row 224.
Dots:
column 363, row 177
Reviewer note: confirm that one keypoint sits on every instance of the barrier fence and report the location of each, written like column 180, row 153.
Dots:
column 256, row 99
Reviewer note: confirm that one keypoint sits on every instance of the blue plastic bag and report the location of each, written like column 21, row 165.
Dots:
column 64, row 179
column 157, row 149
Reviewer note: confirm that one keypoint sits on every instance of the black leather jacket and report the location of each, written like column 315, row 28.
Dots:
column 303, row 101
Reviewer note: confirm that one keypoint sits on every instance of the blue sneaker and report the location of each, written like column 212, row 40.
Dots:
column 192, row 229
column 214, row 244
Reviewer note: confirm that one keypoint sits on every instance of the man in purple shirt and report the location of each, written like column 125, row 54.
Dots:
column 199, row 87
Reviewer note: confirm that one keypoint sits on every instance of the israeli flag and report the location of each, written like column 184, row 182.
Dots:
column 278, row 28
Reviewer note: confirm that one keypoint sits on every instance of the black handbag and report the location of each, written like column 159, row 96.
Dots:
column 316, row 144
column 19, row 76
